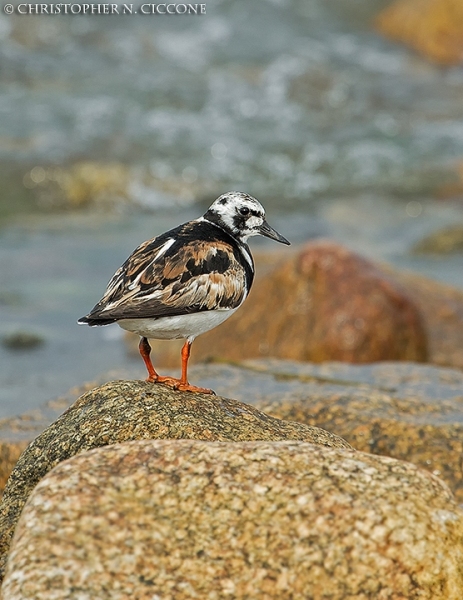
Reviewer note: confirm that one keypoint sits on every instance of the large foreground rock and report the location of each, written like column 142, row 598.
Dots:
column 132, row 410
column 409, row 411
column 187, row 519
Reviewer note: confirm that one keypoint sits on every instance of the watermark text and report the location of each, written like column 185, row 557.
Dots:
column 104, row 9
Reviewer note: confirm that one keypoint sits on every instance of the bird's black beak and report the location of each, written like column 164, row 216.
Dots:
column 269, row 232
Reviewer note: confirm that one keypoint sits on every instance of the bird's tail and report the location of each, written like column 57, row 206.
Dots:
column 94, row 321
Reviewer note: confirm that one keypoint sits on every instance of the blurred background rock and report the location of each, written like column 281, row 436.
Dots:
column 432, row 27
column 115, row 128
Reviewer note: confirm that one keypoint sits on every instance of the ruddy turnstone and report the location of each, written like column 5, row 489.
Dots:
column 187, row 280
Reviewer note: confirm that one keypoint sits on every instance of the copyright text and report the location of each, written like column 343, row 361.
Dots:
column 105, row 9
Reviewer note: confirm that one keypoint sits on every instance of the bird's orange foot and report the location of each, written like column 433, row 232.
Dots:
column 170, row 381
column 186, row 387
column 177, row 384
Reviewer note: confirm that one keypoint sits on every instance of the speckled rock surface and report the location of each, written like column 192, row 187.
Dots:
column 408, row 411
column 188, row 519
column 9, row 454
column 131, row 410
column 325, row 303
column 432, row 27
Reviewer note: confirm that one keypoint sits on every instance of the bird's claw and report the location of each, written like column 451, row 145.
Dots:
column 179, row 385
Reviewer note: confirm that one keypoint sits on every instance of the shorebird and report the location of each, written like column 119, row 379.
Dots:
column 186, row 281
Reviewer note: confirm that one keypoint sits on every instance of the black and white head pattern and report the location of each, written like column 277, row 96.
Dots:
column 242, row 216
column 239, row 213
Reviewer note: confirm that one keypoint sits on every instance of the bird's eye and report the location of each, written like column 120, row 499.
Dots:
column 244, row 210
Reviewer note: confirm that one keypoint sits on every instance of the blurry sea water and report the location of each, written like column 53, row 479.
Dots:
column 338, row 132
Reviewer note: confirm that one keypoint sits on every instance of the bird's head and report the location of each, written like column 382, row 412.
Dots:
column 242, row 216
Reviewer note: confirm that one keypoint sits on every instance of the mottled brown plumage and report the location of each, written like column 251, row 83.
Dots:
column 197, row 276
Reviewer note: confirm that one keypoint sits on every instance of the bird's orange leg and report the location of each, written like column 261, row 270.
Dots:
column 184, row 385
column 153, row 376
column 177, row 384
column 145, row 351
column 186, row 349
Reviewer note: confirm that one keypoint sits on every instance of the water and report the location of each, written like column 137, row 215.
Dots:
column 300, row 103
column 290, row 99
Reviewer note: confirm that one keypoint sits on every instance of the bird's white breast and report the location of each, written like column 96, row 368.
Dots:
column 181, row 326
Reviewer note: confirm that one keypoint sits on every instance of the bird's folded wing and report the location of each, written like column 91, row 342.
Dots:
column 165, row 278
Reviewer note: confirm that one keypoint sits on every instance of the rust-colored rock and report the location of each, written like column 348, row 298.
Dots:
column 432, row 27
column 442, row 308
column 440, row 305
column 326, row 303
